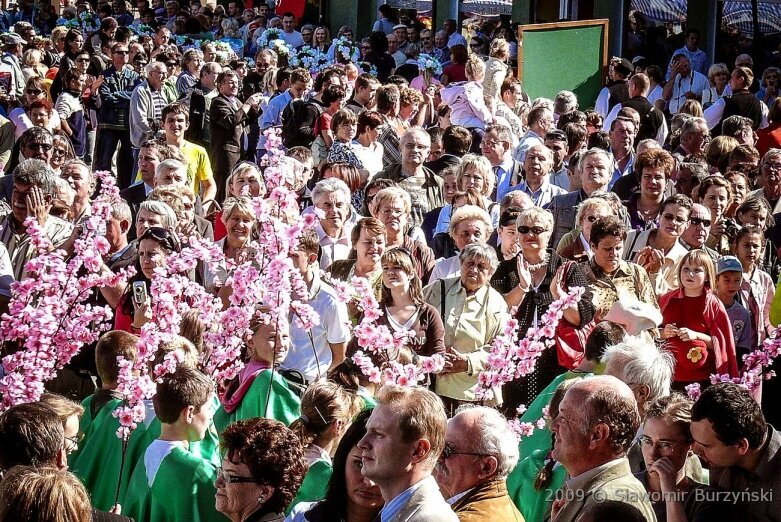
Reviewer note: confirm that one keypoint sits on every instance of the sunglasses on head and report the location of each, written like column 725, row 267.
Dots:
column 523, row 229
column 700, row 221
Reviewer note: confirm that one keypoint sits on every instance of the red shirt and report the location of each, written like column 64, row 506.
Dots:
column 703, row 314
column 769, row 138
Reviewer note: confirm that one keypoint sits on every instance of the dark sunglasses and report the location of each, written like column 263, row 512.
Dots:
column 674, row 219
column 121, row 52
column 592, row 219
column 33, row 92
column 83, row 60
column 699, row 221
column 523, row 229
column 40, row 146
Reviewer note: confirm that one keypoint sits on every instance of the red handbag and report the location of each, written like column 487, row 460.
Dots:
column 570, row 339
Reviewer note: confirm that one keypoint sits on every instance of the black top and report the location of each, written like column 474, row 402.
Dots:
column 526, row 389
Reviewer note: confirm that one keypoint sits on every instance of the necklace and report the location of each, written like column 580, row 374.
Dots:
column 543, row 262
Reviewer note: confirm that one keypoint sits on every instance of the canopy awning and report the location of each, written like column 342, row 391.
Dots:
column 734, row 14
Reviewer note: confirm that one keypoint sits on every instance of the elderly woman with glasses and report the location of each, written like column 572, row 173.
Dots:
column 261, row 472
column 469, row 224
column 36, row 110
column 393, row 207
column 473, row 314
column 532, row 281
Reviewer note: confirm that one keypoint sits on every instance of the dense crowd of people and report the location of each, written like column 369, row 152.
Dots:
column 424, row 168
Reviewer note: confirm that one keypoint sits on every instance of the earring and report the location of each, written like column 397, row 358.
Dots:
column 260, row 499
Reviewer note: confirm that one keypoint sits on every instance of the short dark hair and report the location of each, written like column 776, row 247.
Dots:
column 456, row 140
column 599, row 140
column 607, row 226
column 333, row 93
column 369, row 120
column 112, row 345
column 733, row 413
column 31, row 434
column 619, row 413
column 682, row 200
column 185, row 387
column 573, row 116
column 603, row 335
column 175, row 108
column 273, row 455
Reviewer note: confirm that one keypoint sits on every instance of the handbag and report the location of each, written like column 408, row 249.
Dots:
column 570, row 339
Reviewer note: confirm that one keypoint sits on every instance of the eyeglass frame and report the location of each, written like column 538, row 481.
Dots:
column 234, row 479
column 448, row 452
column 648, row 442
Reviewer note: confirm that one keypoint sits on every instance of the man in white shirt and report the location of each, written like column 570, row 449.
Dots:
column 331, row 198
column 292, row 37
column 453, row 36
column 696, row 56
column 540, row 121
column 684, row 84
column 404, row 439
column 536, row 168
column 316, row 349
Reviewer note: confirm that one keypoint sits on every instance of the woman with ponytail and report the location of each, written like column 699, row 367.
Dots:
column 326, row 410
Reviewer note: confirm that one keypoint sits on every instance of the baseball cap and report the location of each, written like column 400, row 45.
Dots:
column 399, row 26
column 728, row 264
column 12, row 39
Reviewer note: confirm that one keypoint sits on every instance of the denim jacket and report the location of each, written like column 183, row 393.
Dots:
column 113, row 97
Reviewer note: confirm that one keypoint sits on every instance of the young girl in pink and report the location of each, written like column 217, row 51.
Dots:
column 697, row 329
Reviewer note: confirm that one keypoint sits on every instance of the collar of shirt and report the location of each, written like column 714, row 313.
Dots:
column 582, row 481
column 623, row 269
column 767, row 468
column 481, row 295
column 326, row 240
column 455, row 498
column 392, row 508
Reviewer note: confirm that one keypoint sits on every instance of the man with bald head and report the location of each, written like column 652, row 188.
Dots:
column 537, row 166
column 596, row 424
column 480, row 451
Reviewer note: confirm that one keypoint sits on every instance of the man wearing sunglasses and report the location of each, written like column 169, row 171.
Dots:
column 480, row 451
column 113, row 102
column 697, row 231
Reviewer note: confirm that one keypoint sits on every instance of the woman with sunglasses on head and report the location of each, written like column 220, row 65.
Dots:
column 532, row 281
column 350, row 496
column 36, row 109
column 659, row 250
column 154, row 247
column 62, row 151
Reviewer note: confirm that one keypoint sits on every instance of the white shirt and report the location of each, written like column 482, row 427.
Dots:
column 714, row 113
column 661, row 134
column 695, row 82
column 446, row 267
column 370, row 157
column 332, row 329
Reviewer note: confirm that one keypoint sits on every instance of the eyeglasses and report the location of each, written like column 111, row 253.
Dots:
column 675, row 219
column 40, row 146
column 592, row 219
column 523, row 229
column 234, row 479
column 772, row 166
column 121, row 52
column 76, row 438
column 665, row 447
column 82, row 60
column 33, row 92
column 448, row 451
column 700, row 221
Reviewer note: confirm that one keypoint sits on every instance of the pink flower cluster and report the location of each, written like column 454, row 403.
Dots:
column 513, row 356
column 755, row 370
column 380, row 343
column 49, row 318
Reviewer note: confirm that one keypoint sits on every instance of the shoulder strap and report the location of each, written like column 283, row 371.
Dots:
column 442, row 299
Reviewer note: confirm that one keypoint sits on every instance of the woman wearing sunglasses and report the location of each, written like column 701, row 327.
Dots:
column 38, row 115
column 532, row 281
column 588, row 212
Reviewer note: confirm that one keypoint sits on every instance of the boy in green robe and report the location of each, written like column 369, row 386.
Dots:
column 247, row 396
column 171, row 482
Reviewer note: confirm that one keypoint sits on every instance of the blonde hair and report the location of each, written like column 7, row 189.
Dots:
column 62, row 406
column 470, row 213
column 536, row 214
column 43, row 494
column 182, row 345
column 242, row 204
column 701, row 258
column 675, row 408
column 481, row 165
column 591, row 204
column 499, row 48
column 475, row 68
column 387, row 196
column 323, row 403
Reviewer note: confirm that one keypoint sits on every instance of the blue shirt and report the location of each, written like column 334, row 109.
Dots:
column 504, row 174
column 272, row 116
column 394, row 506
column 617, row 172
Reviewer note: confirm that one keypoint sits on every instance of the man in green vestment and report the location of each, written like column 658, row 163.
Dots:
column 171, row 481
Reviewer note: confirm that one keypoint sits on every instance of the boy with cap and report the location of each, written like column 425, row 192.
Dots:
column 729, row 277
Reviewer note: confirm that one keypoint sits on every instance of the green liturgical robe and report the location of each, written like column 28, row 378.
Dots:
column 315, row 483
column 534, row 504
column 171, row 483
column 284, row 406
